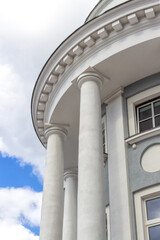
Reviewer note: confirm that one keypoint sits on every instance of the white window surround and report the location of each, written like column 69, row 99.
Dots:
column 132, row 102
column 140, row 210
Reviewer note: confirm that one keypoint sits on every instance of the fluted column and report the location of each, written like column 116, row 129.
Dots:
column 52, row 204
column 91, row 189
column 70, row 205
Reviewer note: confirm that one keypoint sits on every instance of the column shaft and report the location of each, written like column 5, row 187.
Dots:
column 70, row 207
column 52, row 204
column 91, row 190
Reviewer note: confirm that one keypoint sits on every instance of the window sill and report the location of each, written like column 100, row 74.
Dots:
column 142, row 136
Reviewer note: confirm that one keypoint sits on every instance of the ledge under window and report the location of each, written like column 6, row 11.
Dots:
column 142, row 136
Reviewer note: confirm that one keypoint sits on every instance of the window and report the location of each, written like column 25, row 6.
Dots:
column 148, row 115
column 144, row 115
column 153, row 218
column 147, row 208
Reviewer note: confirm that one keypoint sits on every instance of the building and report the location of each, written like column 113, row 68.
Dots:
column 104, row 79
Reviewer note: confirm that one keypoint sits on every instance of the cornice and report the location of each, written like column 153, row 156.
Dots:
column 80, row 43
column 99, row 9
column 118, row 92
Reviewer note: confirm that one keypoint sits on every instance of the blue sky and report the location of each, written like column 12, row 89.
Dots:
column 30, row 30
column 14, row 173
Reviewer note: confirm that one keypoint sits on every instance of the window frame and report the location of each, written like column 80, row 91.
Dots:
column 152, row 222
column 153, row 115
column 132, row 102
column 142, row 223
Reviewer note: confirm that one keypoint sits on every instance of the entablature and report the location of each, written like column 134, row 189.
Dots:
column 84, row 48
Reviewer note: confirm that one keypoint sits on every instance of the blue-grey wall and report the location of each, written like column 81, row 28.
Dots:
column 138, row 178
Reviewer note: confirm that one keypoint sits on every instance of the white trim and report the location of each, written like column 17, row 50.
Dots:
column 142, row 136
column 140, row 199
column 112, row 95
column 136, row 100
column 107, row 223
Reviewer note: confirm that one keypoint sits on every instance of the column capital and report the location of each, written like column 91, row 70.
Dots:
column 73, row 172
column 89, row 76
column 55, row 129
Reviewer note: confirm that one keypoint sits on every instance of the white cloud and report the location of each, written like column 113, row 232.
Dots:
column 31, row 18
column 17, row 202
column 29, row 32
column 17, row 136
column 15, row 231
column 17, row 207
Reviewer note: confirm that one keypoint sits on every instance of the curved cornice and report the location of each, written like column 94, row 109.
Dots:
column 94, row 11
column 78, row 44
column 99, row 9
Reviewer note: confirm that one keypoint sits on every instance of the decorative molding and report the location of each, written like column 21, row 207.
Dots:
column 67, row 59
column 47, row 88
column 77, row 50
column 117, row 26
column 73, row 173
column 89, row 76
column 101, row 33
column 41, row 106
column 89, row 41
column 133, row 18
column 142, row 136
column 150, row 13
column 40, row 115
column 40, row 123
column 52, row 79
column 114, row 94
column 93, row 70
column 43, row 97
column 59, row 69
column 55, row 129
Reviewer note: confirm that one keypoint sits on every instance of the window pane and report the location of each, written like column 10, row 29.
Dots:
column 157, row 107
column 145, row 125
column 153, row 208
column 145, row 112
column 157, row 121
column 154, row 233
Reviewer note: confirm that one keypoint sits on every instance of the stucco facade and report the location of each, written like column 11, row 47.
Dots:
column 96, row 108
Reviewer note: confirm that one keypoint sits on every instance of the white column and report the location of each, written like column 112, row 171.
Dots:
column 70, row 205
column 52, row 204
column 91, row 189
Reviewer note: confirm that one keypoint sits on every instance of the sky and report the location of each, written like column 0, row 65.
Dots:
column 30, row 30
